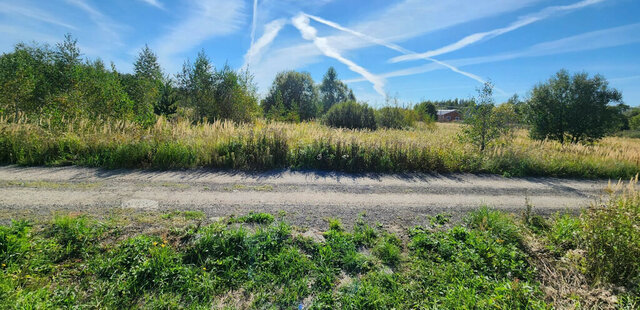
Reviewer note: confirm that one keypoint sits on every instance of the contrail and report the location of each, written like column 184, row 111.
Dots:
column 392, row 46
column 254, row 20
column 309, row 33
column 271, row 30
column 470, row 39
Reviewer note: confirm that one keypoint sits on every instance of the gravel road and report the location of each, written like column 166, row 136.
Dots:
column 308, row 198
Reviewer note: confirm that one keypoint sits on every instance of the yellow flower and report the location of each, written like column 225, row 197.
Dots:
column 4, row 265
column 163, row 245
column 204, row 268
column 155, row 243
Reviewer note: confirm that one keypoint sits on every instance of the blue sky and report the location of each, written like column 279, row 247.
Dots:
column 408, row 49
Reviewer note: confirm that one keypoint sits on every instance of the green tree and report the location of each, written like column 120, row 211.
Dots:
column 426, row 110
column 17, row 83
column 483, row 124
column 147, row 85
column 574, row 108
column 197, row 87
column 168, row 103
column 634, row 122
column 333, row 91
column 235, row 95
column 298, row 92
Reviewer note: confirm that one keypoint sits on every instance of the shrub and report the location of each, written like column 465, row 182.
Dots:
column 611, row 234
column 426, row 111
column 395, row 117
column 350, row 115
column 565, row 232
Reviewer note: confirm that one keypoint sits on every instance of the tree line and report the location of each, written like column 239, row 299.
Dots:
column 57, row 83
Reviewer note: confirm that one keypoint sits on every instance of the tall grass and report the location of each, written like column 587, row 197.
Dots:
column 309, row 145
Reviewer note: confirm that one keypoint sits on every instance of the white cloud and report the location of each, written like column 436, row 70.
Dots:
column 33, row 13
column 593, row 40
column 521, row 22
column 155, row 3
column 309, row 33
column 205, row 19
column 397, row 22
column 104, row 23
column 392, row 46
column 271, row 30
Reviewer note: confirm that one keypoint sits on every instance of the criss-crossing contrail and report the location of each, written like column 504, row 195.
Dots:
column 271, row 30
column 392, row 46
column 309, row 33
column 473, row 38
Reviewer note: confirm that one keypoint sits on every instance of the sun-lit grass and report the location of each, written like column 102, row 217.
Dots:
column 309, row 145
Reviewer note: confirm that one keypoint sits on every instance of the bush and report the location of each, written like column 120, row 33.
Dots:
column 611, row 234
column 395, row 117
column 350, row 115
column 426, row 111
column 564, row 232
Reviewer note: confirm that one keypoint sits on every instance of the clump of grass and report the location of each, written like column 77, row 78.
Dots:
column 254, row 218
column 611, row 238
column 75, row 236
column 498, row 224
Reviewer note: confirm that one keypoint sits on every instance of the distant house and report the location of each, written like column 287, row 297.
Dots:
column 449, row 116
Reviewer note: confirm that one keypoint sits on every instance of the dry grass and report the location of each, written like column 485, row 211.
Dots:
column 426, row 147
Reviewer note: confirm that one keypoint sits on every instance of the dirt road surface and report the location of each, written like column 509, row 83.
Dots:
column 308, row 198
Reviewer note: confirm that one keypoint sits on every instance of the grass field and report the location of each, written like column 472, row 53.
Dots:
column 263, row 146
column 489, row 260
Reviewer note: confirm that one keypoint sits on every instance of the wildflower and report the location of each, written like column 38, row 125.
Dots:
column 155, row 243
column 163, row 245
column 204, row 268
column 4, row 265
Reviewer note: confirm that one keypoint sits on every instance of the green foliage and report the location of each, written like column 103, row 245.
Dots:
column 475, row 266
column 572, row 107
column 611, row 238
column 217, row 94
column 427, row 111
column 14, row 242
column 254, row 218
column 498, row 224
column 564, row 233
column 395, row 117
column 485, row 123
column 292, row 92
column 75, row 237
column 333, row 91
column 350, row 115
column 634, row 122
